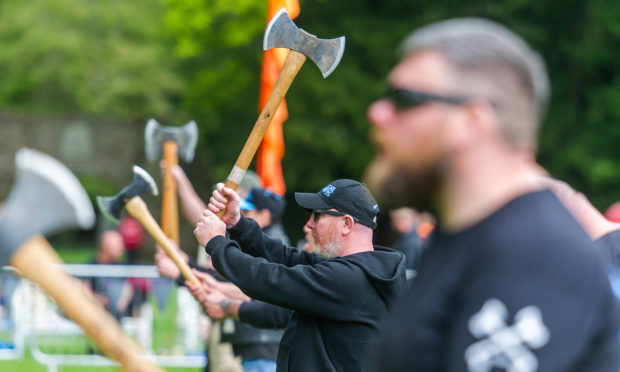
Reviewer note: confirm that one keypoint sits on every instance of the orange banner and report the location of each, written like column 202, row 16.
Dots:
column 271, row 151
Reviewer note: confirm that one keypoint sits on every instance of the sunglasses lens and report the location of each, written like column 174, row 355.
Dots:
column 402, row 99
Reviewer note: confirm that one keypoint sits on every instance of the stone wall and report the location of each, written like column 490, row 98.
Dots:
column 89, row 147
column 93, row 148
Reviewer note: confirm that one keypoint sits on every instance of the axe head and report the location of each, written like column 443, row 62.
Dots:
column 112, row 206
column 46, row 197
column 283, row 33
column 155, row 135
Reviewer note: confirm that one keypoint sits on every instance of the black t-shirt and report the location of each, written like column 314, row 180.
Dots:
column 522, row 290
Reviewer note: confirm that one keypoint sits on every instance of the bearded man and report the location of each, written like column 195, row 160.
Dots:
column 509, row 281
column 339, row 294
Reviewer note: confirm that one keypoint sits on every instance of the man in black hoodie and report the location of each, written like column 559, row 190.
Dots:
column 339, row 295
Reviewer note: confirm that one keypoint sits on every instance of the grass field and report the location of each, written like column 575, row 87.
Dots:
column 164, row 333
column 30, row 365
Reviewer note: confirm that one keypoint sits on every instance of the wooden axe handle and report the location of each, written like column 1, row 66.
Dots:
column 170, row 209
column 233, row 186
column 291, row 67
column 137, row 208
column 37, row 261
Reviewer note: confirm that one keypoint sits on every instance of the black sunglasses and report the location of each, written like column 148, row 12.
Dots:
column 317, row 213
column 407, row 98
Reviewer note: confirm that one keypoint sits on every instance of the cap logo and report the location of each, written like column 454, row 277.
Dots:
column 328, row 190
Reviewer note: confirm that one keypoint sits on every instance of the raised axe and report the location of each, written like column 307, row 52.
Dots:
column 174, row 142
column 46, row 198
column 283, row 33
column 129, row 198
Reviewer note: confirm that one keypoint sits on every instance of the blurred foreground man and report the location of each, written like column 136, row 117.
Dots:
column 510, row 281
column 339, row 294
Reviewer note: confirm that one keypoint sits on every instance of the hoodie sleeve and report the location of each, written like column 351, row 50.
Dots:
column 323, row 289
column 254, row 242
column 263, row 315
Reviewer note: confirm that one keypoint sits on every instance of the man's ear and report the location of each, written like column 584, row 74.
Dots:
column 348, row 225
column 483, row 116
column 476, row 121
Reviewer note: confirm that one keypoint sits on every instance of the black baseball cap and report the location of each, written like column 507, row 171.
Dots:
column 260, row 199
column 346, row 196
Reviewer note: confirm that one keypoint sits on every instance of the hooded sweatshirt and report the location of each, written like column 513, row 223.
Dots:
column 338, row 304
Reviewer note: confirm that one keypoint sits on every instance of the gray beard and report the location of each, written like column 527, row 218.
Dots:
column 396, row 186
column 329, row 250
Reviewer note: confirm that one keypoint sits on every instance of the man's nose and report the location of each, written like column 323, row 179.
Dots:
column 381, row 113
column 309, row 224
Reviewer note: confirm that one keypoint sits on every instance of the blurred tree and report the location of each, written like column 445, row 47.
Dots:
column 91, row 57
column 194, row 59
column 219, row 46
column 326, row 135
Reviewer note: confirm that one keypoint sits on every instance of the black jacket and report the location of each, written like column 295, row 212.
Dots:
column 338, row 303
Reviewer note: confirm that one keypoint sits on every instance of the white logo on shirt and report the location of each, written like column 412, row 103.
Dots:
column 505, row 346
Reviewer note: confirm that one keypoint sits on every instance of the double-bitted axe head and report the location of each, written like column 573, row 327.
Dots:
column 46, row 197
column 283, row 33
column 155, row 135
column 112, row 206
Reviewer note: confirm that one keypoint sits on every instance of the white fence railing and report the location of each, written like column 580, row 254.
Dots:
column 163, row 318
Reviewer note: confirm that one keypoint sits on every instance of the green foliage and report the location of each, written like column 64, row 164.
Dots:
column 97, row 186
column 198, row 26
column 197, row 59
column 89, row 57
column 327, row 133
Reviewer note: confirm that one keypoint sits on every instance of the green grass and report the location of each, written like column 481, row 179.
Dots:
column 76, row 254
column 28, row 364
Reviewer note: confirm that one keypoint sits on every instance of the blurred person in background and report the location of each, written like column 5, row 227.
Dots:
column 134, row 236
column 404, row 221
column 114, row 293
column 256, row 347
column 266, row 208
column 509, row 280
column 612, row 213
column 426, row 224
column 604, row 233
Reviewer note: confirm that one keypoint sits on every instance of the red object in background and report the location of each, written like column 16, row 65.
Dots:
column 132, row 232
column 613, row 212
column 424, row 229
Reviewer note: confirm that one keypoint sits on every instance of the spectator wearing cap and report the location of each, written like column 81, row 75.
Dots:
column 114, row 293
column 266, row 207
column 338, row 295
column 133, row 235
column 257, row 347
column 254, row 335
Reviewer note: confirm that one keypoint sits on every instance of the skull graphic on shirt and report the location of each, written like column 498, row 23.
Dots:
column 502, row 345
